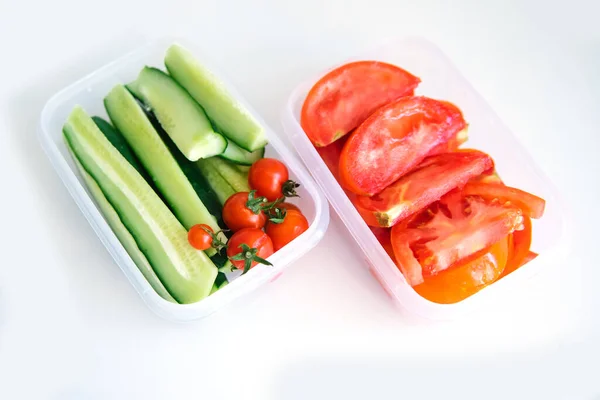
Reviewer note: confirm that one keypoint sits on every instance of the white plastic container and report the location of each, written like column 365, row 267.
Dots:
column 89, row 93
column 441, row 80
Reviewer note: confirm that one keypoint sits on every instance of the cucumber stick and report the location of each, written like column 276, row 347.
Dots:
column 129, row 118
column 115, row 223
column 230, row 116
column 237, row 179
column 217, row 183
column 178, row 113
column 186, row 273
column 237, row 155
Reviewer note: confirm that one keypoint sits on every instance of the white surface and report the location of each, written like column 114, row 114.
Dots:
column 71, row 327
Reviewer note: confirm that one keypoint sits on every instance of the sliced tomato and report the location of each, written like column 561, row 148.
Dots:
column 531, row 205
column 331, row 156
column 467, row 277
column 346, row 96
column 453, row 144
column 393, row 140
column 448, row 231
column 519, row 244
column 488, row 177
column 383, row 237
column 428, row 182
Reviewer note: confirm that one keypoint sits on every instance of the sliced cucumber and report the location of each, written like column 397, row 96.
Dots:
column 237, row 179
column 217, row 183
column 237, row 155
column 129, row 118
column 232, row 118
column 178, row 113
column 187, row 274
column 115, row 223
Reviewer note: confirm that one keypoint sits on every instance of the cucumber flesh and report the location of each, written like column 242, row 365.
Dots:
column 178, row 113
column 187, row 274
column 115, row 223
column 237, row 155
column 237, row 179
column 129, row 118
column 231, row 117
column 218, row 184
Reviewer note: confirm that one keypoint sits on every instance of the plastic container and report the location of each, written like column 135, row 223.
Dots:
column 89, row 93
column 440, row 79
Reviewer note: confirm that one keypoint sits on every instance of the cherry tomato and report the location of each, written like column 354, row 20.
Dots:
column 530, row 204
column 288, row 206
column 255, row 239
column 427, row 182
column 449, row 231
column 241, row 211
column 394, row 139
column 292, row 226
column 268, row 176
column 467, row 277
column 200, row 236
column 346, row 96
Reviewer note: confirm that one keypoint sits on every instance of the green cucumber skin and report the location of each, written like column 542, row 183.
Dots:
column 171, row 182
column 115, row 223
column 187, row 274
column 237, row 155
column 218, row 184
column 237, row 179
column 232, row 118
column 179, row 115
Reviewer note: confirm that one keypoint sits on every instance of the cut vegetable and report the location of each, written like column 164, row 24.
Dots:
column 427, row 182
column 237, row 179
column 231, row 117
column 346, row 96
column 217, row 183
column 187, row 274
column 237, row 155
column 145, row 141
column 393, row 140
column 180, row 116
column 115, row 223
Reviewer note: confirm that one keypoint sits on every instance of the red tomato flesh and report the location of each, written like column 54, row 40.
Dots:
column 531, row 205
column 519, row 244
column 394, row 139
column 453, row 144
column 449, row 231
column 467, row 277
column 428, row 182
column 346, row 96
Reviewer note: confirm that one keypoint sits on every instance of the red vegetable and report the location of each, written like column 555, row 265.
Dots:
column 531, row 205
column 248, row 247
column 201, row 236
column 244, row 210
column 292, row 226
column 270, row 178
column 427, row 182
column 394, row 139
column 346, row 96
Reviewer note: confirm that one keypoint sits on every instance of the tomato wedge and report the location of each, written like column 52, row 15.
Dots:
column 519, row 244
column 394, row 139
column 453, row 144
column 531, row 205
column 383, row 237
column 346, row 96
column 428, row 182
column 331, row 156
column 467, row 277
column 448, row 231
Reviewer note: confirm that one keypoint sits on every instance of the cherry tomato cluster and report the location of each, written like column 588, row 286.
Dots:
column 441, row 212
column 261, row 220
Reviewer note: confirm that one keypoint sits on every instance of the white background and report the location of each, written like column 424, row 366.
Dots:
column 71, row 327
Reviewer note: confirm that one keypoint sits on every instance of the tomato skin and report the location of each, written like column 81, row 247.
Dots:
column 393, row 140
column 447, row 232
column 531, row 205
column 427, row 182
column 288, row 206
column 237, row 215
column 343, row 98
column 467, row 277
column 519, row 244
column 267, row 177
column 199, row 238
column 293, row 225
column 254, row 238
